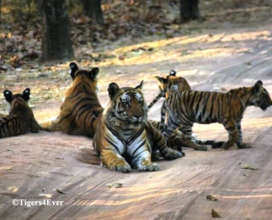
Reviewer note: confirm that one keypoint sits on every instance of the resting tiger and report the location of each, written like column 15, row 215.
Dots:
column 187, row 107
column 81, row 109
column 21, row 119
column 124, row 138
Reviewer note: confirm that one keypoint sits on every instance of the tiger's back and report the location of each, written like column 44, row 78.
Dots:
column 81, row 108
column 21, row 119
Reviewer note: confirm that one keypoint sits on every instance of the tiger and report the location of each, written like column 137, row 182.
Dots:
column 176, row 139
column 125, row 139
column 189, row 106
column 81, row 108
column 20, row 119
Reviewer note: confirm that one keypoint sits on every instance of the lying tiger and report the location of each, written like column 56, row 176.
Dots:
column 124, row 138
column 81, row 108
column 20, row 119
column 187, row 107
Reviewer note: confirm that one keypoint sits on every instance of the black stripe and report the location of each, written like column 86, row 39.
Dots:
column 214, row 95
column 64, row 118
column 135, row 136
column 198, row 103
column 139, row 153
column 113, row 144
column 143, row 142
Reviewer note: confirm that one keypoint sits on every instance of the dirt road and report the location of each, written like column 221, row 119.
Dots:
column 64, row 168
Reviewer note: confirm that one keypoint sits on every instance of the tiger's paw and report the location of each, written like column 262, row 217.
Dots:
column 228, row 145
column 202, row 147
column 122, row 168
column 171, row 154
column 149, row 167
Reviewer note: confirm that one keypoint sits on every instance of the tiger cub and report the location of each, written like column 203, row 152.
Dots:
column 187, row 107
column 20, row 119
column 175, row 138
column 81, row 108
column 124, row 138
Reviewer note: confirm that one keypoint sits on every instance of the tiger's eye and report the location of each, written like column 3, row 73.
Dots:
column 139, row 97
column 125, row 98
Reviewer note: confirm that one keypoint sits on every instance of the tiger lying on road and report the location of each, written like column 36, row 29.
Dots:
column 124, row 138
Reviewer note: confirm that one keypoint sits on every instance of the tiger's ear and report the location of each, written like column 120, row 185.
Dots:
column 26, row 94
column 8, row 95
column 113, row 90
column 93, row 73
column 257, row 86
column 172, row 73
column 73, row 69
column 140, row 86
column 161, row 79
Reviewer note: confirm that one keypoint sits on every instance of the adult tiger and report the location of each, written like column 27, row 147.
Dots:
column 187, row 107
column 124, row 138
column 81, row 108
column 20, row 119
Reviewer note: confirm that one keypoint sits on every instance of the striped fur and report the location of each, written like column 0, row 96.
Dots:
column 176, row 139
column 171, row 82
column 124, row 138
column 81, row 109
column 21, row 119
column 187, row 107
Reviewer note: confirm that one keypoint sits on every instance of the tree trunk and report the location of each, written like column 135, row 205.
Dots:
column 56, row 42
column 0, row 10
column 92, row 9
column 189, row 10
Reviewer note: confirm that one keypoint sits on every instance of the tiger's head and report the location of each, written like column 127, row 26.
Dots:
column 17, row 101
column 172, row 83
column 127, row 104
column 90, row 75
column 259, row 96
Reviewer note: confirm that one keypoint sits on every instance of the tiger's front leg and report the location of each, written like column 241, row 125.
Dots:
column 114, row 161
column 233, row 134
column 240, row 143
column 142, row 162
column 140, row 152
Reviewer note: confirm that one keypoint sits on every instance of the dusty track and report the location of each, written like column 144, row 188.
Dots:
column 62, row 167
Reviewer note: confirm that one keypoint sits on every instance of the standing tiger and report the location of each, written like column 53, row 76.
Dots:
column 21, row 119
column 187, row 107
column 81, row 109
column 175, row 138
column 124, row 138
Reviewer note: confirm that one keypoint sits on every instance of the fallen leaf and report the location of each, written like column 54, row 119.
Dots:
column 6, row 168
column 45, row 195
column 215, row 214
column 59, row 191
column 114, row 185
column 247, row 167
column 211, row 198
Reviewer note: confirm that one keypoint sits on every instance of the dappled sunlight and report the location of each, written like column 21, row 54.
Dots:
column 157, row 51
column 128, row 195
column 261, row 196
column 260, row 35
